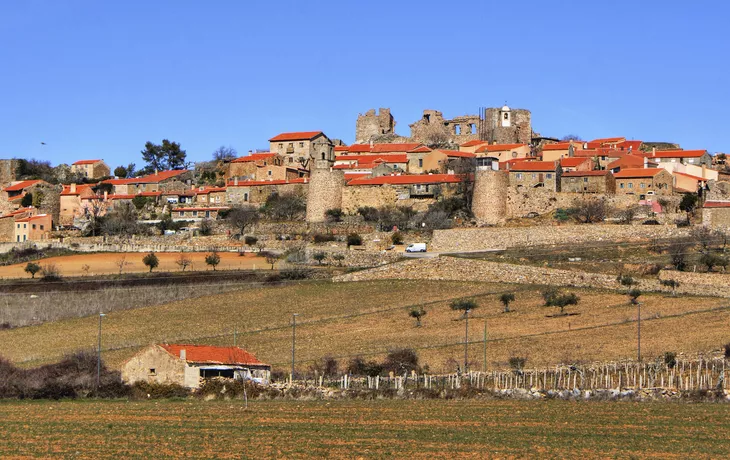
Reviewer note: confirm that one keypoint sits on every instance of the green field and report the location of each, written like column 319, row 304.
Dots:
column 363, row 429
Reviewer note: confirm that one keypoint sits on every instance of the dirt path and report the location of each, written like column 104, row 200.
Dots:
column 107, row 263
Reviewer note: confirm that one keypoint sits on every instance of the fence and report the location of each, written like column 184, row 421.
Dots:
column 685, row 375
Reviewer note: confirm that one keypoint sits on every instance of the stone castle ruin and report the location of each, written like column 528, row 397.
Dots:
column 497, row 125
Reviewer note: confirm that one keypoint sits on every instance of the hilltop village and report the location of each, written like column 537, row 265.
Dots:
column 475, row 170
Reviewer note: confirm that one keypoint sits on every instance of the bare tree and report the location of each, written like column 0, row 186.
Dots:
column 241, row 218
column 121, row 263
column 590, row 211
column 224, row 153
column 183, row 261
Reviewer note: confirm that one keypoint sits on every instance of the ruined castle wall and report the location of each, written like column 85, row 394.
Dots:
column 489, row 202
column 371, row 125
column 377, row 196
column 325, row 192
column 521, row 202
column 519, row 131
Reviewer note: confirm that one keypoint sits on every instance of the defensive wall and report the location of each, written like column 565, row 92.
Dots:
column 490, row 238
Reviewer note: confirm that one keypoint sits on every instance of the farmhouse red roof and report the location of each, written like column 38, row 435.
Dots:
column 253, row 157
column 408, row 179
column 585, row 173
column 457, row 153
column 716, row 204
column 22, row 185
column 253, row 183
column 473, row 143
column 560, row 146
column 86, row 162
column 199, row 209
column 527, row 166
column 572, row 162
column 31, row 218
column 637, row 172
column 675, row 153
column 160, row 176
column 79, row 188
column 498, row 147
column 385, row 148
column 296, row 136
column 213, row 355
column 633, row 161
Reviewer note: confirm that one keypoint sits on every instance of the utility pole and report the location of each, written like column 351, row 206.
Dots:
column 98, row 354
column 638, row 331
column 485, row 346
column 234, row 336
column 466, row 341
column 293, row 343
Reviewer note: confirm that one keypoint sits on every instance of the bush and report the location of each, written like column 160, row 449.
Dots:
column 148, row 390
column 32, row 268
column 323, row 237
column 250, row 240
column 590, row 211
column 50, row 272
column 334, row 215
column 650, row 222
column 400, row 361
column 517, row 362
column 353, row 239
column 670, row 359
column 561, row 215
column 206, row 227
column 319, row 257
column 295, row 274
column 368, row 213
column 396, row 238
column 213, row 259
column 625, row 280
column 358, row 366
column 151, row 261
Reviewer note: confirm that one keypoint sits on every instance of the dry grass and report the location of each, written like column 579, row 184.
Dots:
column 602, row 331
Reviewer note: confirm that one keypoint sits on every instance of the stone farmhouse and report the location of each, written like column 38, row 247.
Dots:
column 33, row 228
column 532, row 174
column 190, row 365
column 299, row 147
column 8, row 223
column 91, row 169
column 643, row 182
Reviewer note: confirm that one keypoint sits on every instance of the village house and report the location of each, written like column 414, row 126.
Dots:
column 196, row 213
column 716, row 214
column 414, row 154
column 91, row 169
column 630, row 162
column 178, row 197
column 576, row 164
column 532, row 174
column 256, row 192
column 558, row 150
column 643, row 182
column 373, row 165
column 299, row 147
column 687, row 183
column 71, row 202
column 7, row 222
column 162, row 181
column 211, row 195
column 600, row 181
column 16, row 191
column 263, row 166
column 490, row 153
column 33, row 228
column 689, row 157
column 471, row 146
column 441, row 160
column 189, row 365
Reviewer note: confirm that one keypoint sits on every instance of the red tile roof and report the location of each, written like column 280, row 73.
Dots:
column 254, row 157
column 561, row 146
column 677, row 153
column 629, row 161
column 637, row 172
column 408, row 179
column 79, row 189
column 86, row 162
column 473, row 143
column 457, row 153
column 359, row 148
column 716, row 204
column 585, row 173
column 205, row 354
column 537, row 166
column 36, row 217
column 385, row 148
column 18, row 211
column 22, row 185
column 690, row 176
column 198, row 209
column 131, row 180
column 253, row 183
column 421, row 149
column 159, row 176
column 297, row 136
column 498, row 147
column 633, row 145
column 341, row 148
column 208, row 190
column 572, row 162
column 595, row 143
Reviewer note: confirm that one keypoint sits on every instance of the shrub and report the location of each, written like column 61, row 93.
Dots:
column 678, row 254
column 672, row 284
column 401, row 360
column 295, row 274
column 323, row 237
column 590, row 211
column 338, row 257
column 561, row 215
column 319, row 257
column 670, row 359
column 712, row 260
column 650, row 222
column 206, row 227
column 517, row 362
column 417, row 313
column 148, row 390
column 633, row 294
column 250, row 240
column 32, row 268
column 625, row 280
column 151, row 261
column 213, row 259
column 353, row 239
column 368, row 213
column 506, row 299
column 562, row 300
column 327, row 366
column 334, row 215
column 358, row 366
column 50, row 272
column 548, row 294
column 463, row 305
column 396, row 238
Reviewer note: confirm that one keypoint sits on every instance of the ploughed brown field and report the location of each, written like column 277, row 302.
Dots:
column 107, row 263
column 363, row 429
column 369, row 318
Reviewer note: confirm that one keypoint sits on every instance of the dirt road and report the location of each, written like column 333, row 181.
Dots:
column 108, row 263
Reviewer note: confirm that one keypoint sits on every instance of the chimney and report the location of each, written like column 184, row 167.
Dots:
column 646, row 162
column 106, row 195
column 156, row 171
column 183, row 355
column 235, row 181
column 72, row 188
column 653, row 151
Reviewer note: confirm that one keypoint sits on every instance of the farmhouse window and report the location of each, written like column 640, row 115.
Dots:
column 420, row 162
column 585, row 179
column 42, row 227
column 33, row 226
column 301, row 145
column 621, row 185
column 153, row 371
column 182, row 213
column 642, row 185
column 549, row 176
column 519, row 176
column 631, row 185
column 195, row 213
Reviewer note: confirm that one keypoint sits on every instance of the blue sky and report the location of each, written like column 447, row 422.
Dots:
column 98, row 79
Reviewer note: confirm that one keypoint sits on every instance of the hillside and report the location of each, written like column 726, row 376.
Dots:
column 368, row 318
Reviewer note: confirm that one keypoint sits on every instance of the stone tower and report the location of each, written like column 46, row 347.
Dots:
column 508, row 126
column 325, row 183
column 489, row 203
column 372, row 125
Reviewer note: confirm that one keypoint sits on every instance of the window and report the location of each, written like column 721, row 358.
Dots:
column 245, row 197
column 33, row 226
column 153, row 371
column 25, row 225
column 269, row 172
column 621, row 185
column 473, row 128
column 457, row 129
column 549, row 176
column 182, row 213
column 519, row 176
column 514, row 154
column 642, row 185
column 534, row 176
column 631, row 185
column 301, row 145
column 420, row 162
column 281, row 146
column 291, row 160
column 195, row 213
column 585, row 179
column 42, row 227
column 506, row 116
column 291, row 145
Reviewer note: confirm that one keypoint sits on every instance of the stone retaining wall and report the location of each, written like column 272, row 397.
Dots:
column 490, row 238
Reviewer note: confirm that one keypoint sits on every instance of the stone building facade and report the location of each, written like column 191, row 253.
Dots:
column 91, row 169
column 716, row 214
column 532, row 174
column 433, row 128
column 372, row 124
column 644, row 181
column 300, row 147
column 507, row 126
column 587, row 182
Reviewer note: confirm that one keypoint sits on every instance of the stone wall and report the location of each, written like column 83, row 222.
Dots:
column 489, row 238
column 371, row 125
column 716, row 217
column 456, row 269
column 167, row 368
column 354, row 197
column 521, row 202
column 352, row 257
column 519, row 131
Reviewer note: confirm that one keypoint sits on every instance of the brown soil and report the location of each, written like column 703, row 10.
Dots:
column 107, row 263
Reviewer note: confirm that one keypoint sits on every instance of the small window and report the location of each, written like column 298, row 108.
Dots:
column 642, row 185
column 506, row 116
column 195, row 213
column 33, row 226
column 182, row 213
column 514, row 154
column 585, row 179
column 631, row 185
column 269, row 172
column 549, row 176
column 291, row 145
column 153, row 371
column 42, row 227
column 420, row 162
column 281, row 146
column 245, row 197
column 301, row 145
column 519, row 176
column 534, row 176
column 621, row 185
column 25, row 225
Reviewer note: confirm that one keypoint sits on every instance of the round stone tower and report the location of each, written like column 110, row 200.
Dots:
column 489, row 203
column 325, row 184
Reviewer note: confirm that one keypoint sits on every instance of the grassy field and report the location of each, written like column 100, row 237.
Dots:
column 363, row 429
column 368, row 318
column 107, row 263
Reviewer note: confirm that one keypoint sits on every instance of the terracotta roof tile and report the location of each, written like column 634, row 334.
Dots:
column 408, row 179
column 637, row 172
column 296, row 136
column 86, row 162
column 473, row 143
column 254, row 157
column 457, row 153
column 22, row 185
column 206, row 354
column 572, row 162
column 498, row 147
column 537, row 166
column 585, row 173
column 716, row 204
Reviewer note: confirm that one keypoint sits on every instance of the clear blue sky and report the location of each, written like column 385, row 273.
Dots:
column 97, row 79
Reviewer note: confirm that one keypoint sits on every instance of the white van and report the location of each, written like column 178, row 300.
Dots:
column 416, row 247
